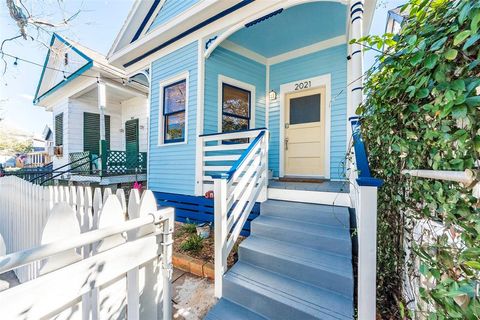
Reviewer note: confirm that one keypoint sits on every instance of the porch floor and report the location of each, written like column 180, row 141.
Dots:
column 111, row 179
column 324, row 186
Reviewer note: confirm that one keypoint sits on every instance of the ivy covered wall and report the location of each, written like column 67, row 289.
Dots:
column 422, row 111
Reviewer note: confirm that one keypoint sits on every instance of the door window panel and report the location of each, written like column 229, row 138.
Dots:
column 305, row 109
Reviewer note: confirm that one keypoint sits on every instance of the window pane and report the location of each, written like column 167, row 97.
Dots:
column 230, row 123
column 305, row 109
column 174, row 97
column 175, row 126
column 236, row 101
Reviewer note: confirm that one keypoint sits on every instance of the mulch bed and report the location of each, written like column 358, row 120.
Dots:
column 207, row 252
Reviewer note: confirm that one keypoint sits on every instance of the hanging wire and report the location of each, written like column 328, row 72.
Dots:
column 15, row 63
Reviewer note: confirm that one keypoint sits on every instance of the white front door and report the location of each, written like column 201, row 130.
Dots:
column 305, row 133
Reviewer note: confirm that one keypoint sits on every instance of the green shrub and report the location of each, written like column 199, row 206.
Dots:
column 194, row 243
column 422, row 112
column 189, row 228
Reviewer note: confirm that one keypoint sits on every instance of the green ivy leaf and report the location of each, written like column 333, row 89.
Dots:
column 473, row 264
column 438, row 44
column 459, row 38
column 422, row 93
column 459, row 111
column 476, row 142
column 457, row 164
column 473, row 101
column 451, row 54
column 471, row 41
column 412, row 39
column 475, row 22
column 431, row 61
column 458, row 85
column 413, row 107
column 416, row 58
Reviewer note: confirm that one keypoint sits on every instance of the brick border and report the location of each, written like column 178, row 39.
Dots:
column 192, row 265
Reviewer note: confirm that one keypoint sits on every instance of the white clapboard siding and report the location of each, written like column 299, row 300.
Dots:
column 96, row 264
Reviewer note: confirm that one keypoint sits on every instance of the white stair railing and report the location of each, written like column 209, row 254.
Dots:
column 220, row 151
column 235, row 194
column 364, row 197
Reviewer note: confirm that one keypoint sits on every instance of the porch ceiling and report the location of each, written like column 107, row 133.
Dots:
column 113, row 95
column 294, row 28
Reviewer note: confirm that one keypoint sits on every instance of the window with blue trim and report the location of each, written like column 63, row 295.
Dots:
column 235, row 108
column 174, row 112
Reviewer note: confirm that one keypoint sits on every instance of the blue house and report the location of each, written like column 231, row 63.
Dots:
column 249, row 104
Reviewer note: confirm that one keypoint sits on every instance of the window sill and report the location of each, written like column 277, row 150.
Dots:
column 172, row 144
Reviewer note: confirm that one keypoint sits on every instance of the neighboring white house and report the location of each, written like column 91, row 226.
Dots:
column 99, row 115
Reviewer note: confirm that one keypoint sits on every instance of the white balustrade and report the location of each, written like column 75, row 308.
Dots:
column 221, row 150
column 235, row 192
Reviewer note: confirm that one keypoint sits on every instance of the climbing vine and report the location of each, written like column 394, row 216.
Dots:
column 422, row 111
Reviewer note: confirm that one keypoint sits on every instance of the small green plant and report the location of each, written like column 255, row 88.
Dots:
column 194, row 243
column 188, row 228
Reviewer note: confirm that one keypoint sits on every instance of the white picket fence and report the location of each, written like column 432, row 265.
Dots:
column 78, row 257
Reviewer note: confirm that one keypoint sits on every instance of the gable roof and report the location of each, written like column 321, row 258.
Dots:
column 165, row 21
column 65, row 61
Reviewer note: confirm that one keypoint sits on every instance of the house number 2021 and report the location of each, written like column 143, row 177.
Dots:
column 303, row 85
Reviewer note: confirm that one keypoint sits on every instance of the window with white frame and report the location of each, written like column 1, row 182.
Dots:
column 174, row 111
column 236, row 108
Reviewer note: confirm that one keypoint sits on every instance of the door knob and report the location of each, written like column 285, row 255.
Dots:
column 286, row 143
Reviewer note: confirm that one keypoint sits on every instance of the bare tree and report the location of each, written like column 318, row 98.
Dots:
column 30, row 26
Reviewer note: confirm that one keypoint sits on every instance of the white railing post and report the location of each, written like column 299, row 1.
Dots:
column 367, row 251
column 220, row 216
column 264, row 154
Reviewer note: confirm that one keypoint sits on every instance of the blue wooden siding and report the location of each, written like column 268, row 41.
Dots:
column 232, row 65
column 197, row 209
column 333, row 61
column 172, row 167
column 171, row 9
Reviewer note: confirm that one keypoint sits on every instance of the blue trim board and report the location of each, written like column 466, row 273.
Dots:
column 189, row 31
column 364, row 176
column 265, row 17
column 145, row 21
column 197, row 209
column 74, row 75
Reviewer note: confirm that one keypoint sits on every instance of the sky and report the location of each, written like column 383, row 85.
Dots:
column 96, row 27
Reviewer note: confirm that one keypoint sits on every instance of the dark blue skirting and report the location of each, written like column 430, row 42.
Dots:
column 197, row 209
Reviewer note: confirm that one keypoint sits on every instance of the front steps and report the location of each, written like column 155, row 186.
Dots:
column 296, row 264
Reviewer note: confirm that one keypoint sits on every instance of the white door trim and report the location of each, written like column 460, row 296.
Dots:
column 320, row 81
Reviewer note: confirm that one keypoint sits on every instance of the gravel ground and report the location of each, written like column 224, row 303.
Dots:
column 192, row 296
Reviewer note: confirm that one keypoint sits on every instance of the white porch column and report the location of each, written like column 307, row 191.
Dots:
column 102, row 103
column 354, row 76
column 355, row 65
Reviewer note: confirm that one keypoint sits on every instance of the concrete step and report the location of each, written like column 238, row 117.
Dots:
column 311, row 266
column 306, row 212
column 335, row 239
column 275, row 296
column 225, row 309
